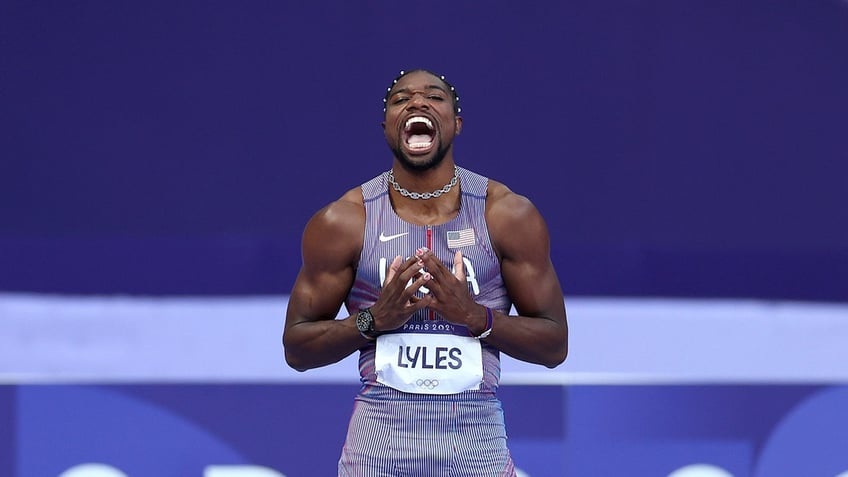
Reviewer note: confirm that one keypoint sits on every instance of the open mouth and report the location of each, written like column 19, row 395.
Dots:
column 419, row 133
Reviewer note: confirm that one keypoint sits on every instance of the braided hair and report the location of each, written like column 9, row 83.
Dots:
column 450, row 88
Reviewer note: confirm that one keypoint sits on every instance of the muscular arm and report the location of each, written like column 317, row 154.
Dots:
column 539, row 334
column 331, row 243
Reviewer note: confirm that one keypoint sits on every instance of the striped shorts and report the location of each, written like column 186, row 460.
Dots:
column 426, row 436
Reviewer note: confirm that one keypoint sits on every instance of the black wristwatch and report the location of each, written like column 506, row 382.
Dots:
column 365, row 324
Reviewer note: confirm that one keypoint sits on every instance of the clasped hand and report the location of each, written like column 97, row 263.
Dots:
column 446, row 291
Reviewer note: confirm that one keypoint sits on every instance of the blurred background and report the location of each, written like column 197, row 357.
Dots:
column 159, row 160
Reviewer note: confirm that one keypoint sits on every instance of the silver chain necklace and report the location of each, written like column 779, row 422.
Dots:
column 426, row 195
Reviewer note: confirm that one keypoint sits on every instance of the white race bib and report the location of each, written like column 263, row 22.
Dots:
column 427, row 363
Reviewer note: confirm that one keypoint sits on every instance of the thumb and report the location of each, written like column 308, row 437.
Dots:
column 458, row 266
column 393, row 269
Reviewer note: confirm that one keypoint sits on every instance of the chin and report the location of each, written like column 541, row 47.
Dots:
column 421, row 162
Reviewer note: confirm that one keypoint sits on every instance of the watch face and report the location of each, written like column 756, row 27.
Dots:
column 364, row 321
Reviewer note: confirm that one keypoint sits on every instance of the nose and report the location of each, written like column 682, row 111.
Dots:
column 418, row 100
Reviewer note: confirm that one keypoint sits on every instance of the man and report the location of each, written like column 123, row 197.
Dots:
column 429, row 259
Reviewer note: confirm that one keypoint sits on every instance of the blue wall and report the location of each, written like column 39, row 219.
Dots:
column 690, row 149
column 179, row 430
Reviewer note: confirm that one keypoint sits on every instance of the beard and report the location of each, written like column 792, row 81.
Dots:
column 409, row 164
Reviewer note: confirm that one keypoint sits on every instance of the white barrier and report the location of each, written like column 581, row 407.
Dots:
column 46, row 338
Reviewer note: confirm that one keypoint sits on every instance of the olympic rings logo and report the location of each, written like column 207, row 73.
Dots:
column 427, row 383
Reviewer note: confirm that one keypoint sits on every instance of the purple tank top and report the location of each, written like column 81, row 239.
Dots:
column 387, row 235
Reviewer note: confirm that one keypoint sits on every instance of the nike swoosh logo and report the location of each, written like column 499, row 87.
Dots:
column 386, row 238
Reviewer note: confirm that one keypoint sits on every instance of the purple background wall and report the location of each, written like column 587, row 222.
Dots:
column 676, row 148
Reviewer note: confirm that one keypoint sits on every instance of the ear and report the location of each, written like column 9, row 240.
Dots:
column 383, row 125
column 458, row 121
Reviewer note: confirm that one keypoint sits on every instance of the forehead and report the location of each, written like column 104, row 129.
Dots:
column 419, row 80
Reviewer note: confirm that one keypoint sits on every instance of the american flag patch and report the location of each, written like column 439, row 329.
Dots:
column 461, row 238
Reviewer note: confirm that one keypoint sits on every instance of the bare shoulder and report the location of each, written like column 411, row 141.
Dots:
column 505, row 206
column 337, row 229
column 346, row 208
column 507, row 213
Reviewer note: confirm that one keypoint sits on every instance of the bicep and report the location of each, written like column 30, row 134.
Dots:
column 533, row 287
column 318, row 294
column 526, row 266
column 331, row 244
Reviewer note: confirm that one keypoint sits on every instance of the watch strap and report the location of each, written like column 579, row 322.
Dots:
column 489, row 320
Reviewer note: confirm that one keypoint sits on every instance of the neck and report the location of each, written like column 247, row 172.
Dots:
column 422, row 191
column 428, row 198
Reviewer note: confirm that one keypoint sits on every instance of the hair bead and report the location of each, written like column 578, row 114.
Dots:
column 403, row 73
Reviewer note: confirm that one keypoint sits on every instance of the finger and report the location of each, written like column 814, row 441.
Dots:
column 393, row 269
column 458, row 266
column 427, row 258
column 401, row 270
column 408, row 270
column 415, row 300
column 415, row 286
column 436, row 267
column 422, row 302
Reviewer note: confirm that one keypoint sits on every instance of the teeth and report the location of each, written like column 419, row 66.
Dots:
column 420, row 145
column 418, row 119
